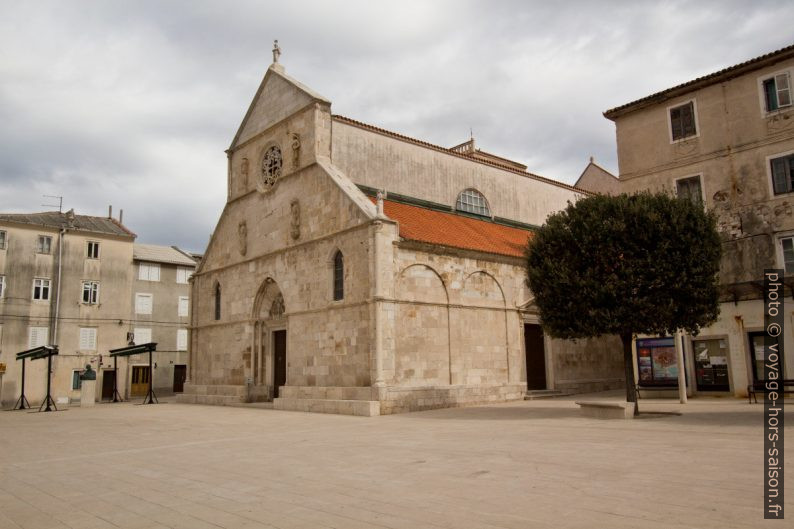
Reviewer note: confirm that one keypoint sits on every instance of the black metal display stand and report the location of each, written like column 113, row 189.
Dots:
column 22, row 402
column 116, row 395
column 44, row 351
column 150, row 348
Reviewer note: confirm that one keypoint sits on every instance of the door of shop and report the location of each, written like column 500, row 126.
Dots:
column 757, row 355
column 140, row 381
column 180, row 374
column 711, row 364
column 108, row 382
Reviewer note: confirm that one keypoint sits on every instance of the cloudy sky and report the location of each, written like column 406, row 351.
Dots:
column 133, row 103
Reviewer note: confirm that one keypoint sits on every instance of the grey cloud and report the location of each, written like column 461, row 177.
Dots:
column 104, row 102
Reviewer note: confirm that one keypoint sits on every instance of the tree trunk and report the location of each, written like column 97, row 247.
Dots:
column 628, row 365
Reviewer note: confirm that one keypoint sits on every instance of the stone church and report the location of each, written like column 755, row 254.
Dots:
column 358, row 271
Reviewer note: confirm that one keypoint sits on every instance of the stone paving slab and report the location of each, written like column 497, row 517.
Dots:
column 519, row 465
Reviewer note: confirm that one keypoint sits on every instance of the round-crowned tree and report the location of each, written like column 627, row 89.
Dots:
column 625, row 265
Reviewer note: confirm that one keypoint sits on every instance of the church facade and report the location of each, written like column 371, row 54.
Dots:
column 357, row 271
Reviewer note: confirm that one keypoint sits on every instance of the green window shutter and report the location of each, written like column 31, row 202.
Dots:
column 779, row 180
column 770, row 95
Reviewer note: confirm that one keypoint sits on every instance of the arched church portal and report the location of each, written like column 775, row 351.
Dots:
column 269, row 348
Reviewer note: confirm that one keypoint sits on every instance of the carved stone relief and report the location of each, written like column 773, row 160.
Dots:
column 244, row 173
column 686, row 147
column 295, row 219
column 242, row 238
column 277, row 307
column 296, row 149
column 779, row 122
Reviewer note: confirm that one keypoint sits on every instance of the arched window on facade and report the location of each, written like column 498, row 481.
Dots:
column 339, row 276
column 472, row 201
column 217, row 301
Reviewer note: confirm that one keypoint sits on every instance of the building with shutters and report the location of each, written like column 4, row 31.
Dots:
column 68, row 280
column 725, row 140
column 360, row 271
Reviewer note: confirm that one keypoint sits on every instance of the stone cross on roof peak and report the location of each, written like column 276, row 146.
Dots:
column 276, row 51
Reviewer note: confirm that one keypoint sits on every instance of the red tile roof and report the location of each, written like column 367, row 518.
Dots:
column 456, row 231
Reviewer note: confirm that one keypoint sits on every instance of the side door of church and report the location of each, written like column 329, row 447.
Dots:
column 279, row 360
column 536, row 356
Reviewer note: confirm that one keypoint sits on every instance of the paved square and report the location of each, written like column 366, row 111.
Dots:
column 518, row 465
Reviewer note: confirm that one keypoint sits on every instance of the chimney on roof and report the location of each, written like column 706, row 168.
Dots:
column 121, row 216
column 110, row 212
column 70, row 218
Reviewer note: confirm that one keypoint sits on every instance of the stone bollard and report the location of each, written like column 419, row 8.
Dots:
column 87, row 387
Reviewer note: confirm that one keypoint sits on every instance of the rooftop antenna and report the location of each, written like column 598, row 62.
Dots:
column 60, row 202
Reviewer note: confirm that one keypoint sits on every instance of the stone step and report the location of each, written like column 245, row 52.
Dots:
column 535, row 394
column 215, row 389
column 327, row 392
column 363, row 408
column 212, row 400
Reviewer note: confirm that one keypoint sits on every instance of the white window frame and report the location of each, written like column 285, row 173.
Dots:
column 144, row 295
column 41, row 335
column 3, row 239
column 93, row 298
column 40, row 244
column 88, row 336
column 88, row 246
column 41, row 286
column 183, row 274
column 146, row 271
column 489, row 213
column 687, row 177
column 762, row 95
column 769, row 181
column 779, row 238
column 141, row 333
column 181, row 339
column 2, row 286
column 183, row 301
column 670, row 121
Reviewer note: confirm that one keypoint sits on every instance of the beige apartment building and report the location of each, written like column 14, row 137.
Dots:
column 726, row 140
column 68, row 280
column 160, row 314
column 356, row 270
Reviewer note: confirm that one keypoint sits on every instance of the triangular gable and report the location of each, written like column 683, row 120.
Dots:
column 277, row 97
column 347, row 188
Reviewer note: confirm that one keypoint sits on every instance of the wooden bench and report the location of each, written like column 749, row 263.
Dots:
column 759, row 386
column 606, row 409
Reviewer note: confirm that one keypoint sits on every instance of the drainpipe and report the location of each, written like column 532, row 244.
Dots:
column 191, row 354
column 61, row 235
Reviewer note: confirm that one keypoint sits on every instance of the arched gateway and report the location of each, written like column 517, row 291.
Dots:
column 269, row 358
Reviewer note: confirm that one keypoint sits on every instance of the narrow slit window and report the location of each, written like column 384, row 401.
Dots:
column 217, row 301
column 339, row 276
